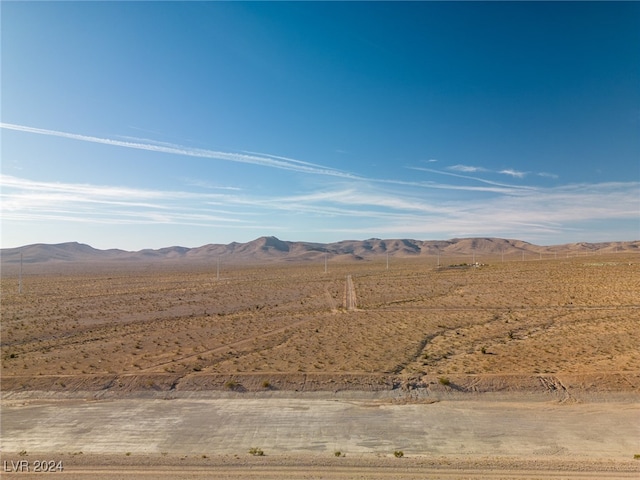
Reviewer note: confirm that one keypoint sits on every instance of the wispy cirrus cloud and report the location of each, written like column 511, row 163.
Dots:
column 467, row 168
column 505, row 171
column 540, row 213
column 354, row 208
column 264, row 160
column 343, row 202
column 270, row 161
column 37, row 200
column 547, row 175
column 196, row 182
column 496, row 187
column 513, row 173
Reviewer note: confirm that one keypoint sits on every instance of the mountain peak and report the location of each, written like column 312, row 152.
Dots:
column 269, row 248
column 274, row 243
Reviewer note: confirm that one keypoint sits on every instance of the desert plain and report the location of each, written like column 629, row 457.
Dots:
column 408, row 368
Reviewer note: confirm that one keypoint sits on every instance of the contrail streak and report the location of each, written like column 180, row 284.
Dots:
column 253, row 159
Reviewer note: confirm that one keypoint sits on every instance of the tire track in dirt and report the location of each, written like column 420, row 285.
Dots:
column 242, row 342
column 398, row 369
column 238, row 343
column 350, row 301
column 553, row 384
column 504, row 308
column 330, row 301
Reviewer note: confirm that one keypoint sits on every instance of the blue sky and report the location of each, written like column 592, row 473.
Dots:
column 143, row 125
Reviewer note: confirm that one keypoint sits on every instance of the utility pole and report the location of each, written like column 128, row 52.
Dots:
column 218, row 269
column 325, row 263
column 387, row 260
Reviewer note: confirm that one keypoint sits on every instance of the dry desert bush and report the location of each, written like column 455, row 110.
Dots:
column 572, row 315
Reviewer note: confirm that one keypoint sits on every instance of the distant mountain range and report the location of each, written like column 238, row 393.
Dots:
column 271, row 248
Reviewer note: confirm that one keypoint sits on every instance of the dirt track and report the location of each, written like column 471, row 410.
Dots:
column 108, row 468
column 205, row 425
column 527, row 370
column 213, row 432
column 533, row 318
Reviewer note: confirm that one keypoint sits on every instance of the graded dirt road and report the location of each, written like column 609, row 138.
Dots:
column 350, row 302
column 573, row 316
column 219, row 429
column 205, row 425
column 507, row 370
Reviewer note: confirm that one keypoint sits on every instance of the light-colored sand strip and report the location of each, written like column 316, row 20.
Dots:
column 290, row 425
column 350, row 302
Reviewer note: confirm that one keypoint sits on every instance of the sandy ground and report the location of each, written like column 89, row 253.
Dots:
column 203, row 434
column 541, row 317
column 108, row 468
column 510, row 370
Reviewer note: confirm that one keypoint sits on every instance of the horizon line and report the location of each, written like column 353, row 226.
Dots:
column 266, row 237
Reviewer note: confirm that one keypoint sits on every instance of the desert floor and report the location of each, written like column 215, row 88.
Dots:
column 515, row 369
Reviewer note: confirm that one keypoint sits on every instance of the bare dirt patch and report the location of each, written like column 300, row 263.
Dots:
column 169, row 322
column 545, row 334
column 209, row 432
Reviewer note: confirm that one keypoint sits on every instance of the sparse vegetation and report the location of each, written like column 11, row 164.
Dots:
column 231, row 384
column 255, row 451
column 70, row 329
column 398, row 454
column 444, row 381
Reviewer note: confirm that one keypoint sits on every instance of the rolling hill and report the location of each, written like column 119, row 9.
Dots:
column 272, row 248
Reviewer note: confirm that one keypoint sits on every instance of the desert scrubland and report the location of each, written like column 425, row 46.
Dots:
column 567, row 316
column 558, row 331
